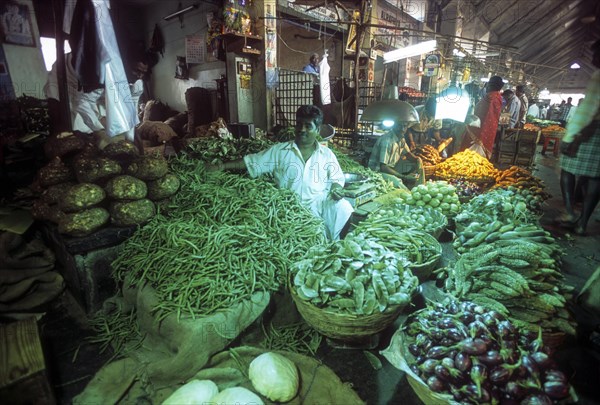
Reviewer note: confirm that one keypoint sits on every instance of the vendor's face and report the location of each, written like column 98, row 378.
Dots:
column 306, row 131
column 401, row 127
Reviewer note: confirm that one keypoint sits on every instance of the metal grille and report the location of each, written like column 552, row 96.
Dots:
column 295, row 89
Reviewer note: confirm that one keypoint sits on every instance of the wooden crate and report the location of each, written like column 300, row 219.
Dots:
column 507, row 146
column 509, row 134
column 23, row 376
column 529, row 136
column 506, row 158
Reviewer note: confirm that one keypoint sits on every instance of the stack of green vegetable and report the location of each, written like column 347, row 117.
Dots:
column 415, row 247
column 402, row 216
column 434, row 194
column 349, row 165
column 217, row 241
column 356, row 275
column 215, row 150
column 518, row 278
column 471, row 355
column 499, row 214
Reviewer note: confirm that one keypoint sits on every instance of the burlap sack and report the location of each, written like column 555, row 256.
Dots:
column 173, row 349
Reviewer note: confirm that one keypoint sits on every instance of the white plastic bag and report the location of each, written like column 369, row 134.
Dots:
column 324, row 80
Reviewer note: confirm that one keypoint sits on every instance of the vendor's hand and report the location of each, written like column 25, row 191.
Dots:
column 336, row 192
column 412, row 146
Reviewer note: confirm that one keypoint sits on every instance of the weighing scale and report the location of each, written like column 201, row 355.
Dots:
column 359, row 193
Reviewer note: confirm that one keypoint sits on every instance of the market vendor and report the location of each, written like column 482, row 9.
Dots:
column 306, row 167
column 392, row 157
column 427, row 130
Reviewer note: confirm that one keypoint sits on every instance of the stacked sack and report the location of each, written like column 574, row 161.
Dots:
column 84, row 188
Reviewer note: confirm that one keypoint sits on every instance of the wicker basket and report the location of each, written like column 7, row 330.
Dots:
column 351, row 328
column 429, row 170
column 423, row 270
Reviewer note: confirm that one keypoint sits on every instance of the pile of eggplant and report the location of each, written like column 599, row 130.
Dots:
column 478, row 356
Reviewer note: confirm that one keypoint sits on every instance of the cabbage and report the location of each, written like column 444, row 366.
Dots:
column 274, row 376
column 236, row 396
column 194, row 392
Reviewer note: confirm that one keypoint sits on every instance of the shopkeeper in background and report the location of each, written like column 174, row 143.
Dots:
column 306, row 167
column 520, row 93
column 313, row 65
column 427, row 130
column 392, row 157
column 512, row 107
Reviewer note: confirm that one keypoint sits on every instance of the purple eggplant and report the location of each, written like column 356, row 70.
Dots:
column 462, row 361
column 478, row 374
column 437, row 352
column 531, row 367
column 414, row 349
column 415, row 369
column 473, row 346
column 537, row 399
column 449, row 374
column 466, row 318
column 467, row 306
column 541, row 359
column 505, row 329
column 454, row 335
column 500, row 375
column 435, row 384
column 478, row 328
column 436, row 334
column 491, row 319
column 490, row 358
column 428, row 366
column 447, row 342
column 446, row 323
column 514, row 390
column 556, row 389
column 476, row 394
column 452, row 308
column 448, row 362
column 555, row 375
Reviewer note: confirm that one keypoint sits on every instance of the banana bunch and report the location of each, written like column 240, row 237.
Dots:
column 520, row 279
column 428, row 154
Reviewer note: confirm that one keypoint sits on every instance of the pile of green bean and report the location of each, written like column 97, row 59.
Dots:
column 221, row 238
column 297, row 338
column 213, row 150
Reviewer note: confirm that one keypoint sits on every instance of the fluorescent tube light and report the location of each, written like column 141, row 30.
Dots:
column 409, row 51
column 180, row 12
column 575, row 65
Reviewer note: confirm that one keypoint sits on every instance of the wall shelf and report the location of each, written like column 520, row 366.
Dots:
column 245, row 44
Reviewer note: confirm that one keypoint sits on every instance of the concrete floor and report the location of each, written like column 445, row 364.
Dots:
column 73, row 361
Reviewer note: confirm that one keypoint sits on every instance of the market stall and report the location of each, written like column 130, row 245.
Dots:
column 233, row 261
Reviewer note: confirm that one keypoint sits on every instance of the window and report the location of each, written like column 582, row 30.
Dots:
column 49, row 51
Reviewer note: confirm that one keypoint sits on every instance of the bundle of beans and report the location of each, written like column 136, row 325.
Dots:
column 218, row 240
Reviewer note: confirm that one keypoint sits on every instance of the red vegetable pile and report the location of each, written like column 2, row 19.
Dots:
column 478, row 356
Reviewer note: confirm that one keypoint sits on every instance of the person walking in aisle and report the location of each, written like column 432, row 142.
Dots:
column 581, row 153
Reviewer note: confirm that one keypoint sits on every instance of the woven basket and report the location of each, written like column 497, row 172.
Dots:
column 349, row 328
column 554, row 340
column 423, row 270
column 429, row 170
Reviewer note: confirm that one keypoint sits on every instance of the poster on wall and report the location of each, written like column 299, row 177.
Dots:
column 195, row 49
column 181, row 68
column 7, row 91
column 15, row 23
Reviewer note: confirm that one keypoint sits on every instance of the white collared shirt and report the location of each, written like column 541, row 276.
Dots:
column 311, row 180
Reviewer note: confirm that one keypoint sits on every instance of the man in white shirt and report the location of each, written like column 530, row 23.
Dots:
column 306, row 167
column 534, row 110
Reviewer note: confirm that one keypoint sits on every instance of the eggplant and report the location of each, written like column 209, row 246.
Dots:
column 505, row 329
column 448, row 362
column 476, row 394
column 420, row 359
column 428, row 366
column 500, row 375
column 531, row 367
column 462, row 361
column 452, row 308
column 414, row 349
column 466, row 318
column 556, row 389
column 437, row 352
column 446, row 323
column 537, row 399
column 514, row 390
column 490, row 358
column 473, row 346
column 555, row 375
column 421, row 339
column 541, row 359
column 435, row 384
column 467, row 306
column 454, row 335
column 478, row 374
column 488, row 341
column 478, row 309
column 447, row 342
column 490, row 319
column 415, row 369
column 436, row 335
column 449, row 374
column 478, row 328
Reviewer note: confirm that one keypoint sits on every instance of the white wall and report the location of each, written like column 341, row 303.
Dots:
column 164, row 85
column 26, row 64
